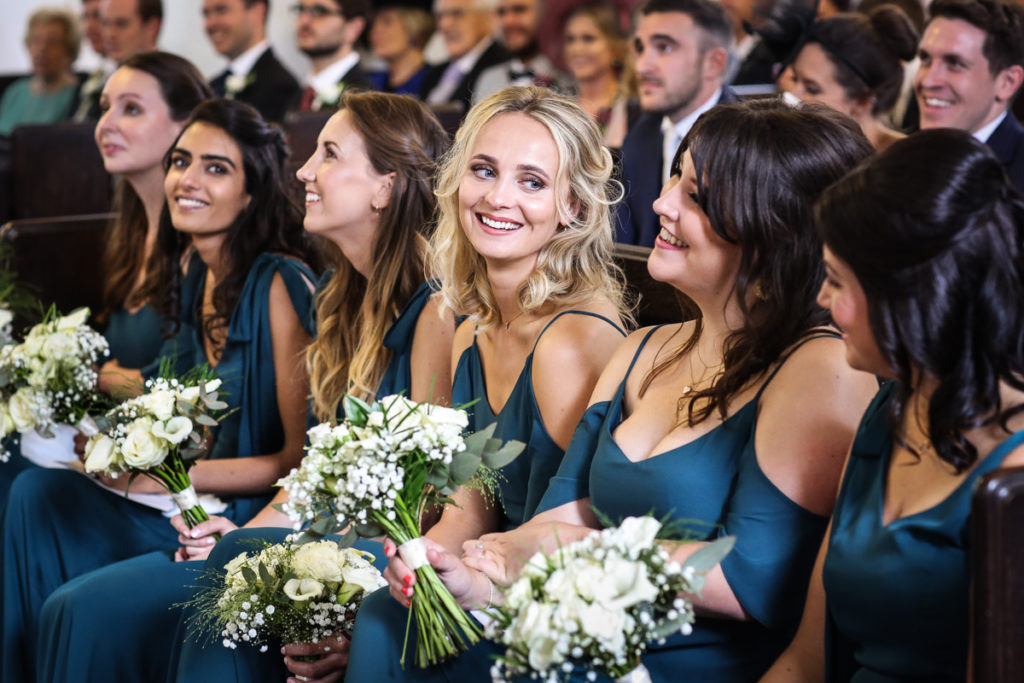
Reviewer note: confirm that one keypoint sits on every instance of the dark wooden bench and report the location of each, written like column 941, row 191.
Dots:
column 657, row 302
column 56, row 170
column 60, row 258
column 997, row 565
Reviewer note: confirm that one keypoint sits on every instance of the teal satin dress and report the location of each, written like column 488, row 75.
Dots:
column 380, row 624
column 714, row 487
column 59, row 525
column 75, row 621
column 898, row 595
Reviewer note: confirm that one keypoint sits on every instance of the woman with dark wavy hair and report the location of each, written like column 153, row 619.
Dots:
column 925, row 275
column 226, row 200
column 734, row 423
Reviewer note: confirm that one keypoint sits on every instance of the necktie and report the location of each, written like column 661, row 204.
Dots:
column 671, row 142
column 220, row 83
column 308, row 95
column 444, row 90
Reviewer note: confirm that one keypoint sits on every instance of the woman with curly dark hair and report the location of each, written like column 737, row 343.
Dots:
column 925, row 275
column 227, row 200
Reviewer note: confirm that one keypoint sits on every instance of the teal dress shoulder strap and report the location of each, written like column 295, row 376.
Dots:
column 782, row 361
column 575, row 312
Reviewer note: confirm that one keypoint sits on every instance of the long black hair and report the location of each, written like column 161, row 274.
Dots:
column 933, row 231
column 271, row 222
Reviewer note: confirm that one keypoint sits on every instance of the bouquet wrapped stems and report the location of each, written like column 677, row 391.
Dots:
column 172, row 474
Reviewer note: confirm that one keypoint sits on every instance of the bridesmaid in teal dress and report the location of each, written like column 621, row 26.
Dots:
column 149, row 98
column 925, row 277
column 371, row 339
column 733, row 423
column 523, row 248
column 226, row 193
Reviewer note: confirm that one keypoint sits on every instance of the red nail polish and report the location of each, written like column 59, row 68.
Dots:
column 406, row 591
column 407, row 579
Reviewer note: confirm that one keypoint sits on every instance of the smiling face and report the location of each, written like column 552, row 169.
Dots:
column 588, row 53
column 843, row 296
column 954, row 85
column 508, row 200
column 688, row 254
column 342, row 186
column 517, row 22
column 205, row 182
column 232, row 27
column 388, row 37
column 462, row 25
column 136, row 128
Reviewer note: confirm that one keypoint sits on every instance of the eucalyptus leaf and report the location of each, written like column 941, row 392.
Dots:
column 369, row 530
column 324, row 526
column 356, row 410
column 504, row 455
column 464, row 465
column 265, row 575
column 216, row 405
column 191, row 453
column 437, row 475
column 709, row 556
column 206, row 420
column 476, row 441
column 349, row 538
column 248, row 574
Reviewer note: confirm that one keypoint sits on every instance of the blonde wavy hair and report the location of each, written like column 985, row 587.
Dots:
column 577, row 263
column 354, row 313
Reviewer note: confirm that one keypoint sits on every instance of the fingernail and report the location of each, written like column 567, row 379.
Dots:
column 389, row 551
column 406, row 591
column 192, row 533
column 407, row 579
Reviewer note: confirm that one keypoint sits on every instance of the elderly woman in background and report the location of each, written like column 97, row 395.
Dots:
column 47, row 96
column 400, row 30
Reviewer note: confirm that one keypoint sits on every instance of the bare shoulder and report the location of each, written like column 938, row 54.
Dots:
column 463, row 338
column 817, row 375
column 280, row 301
column 436, row 319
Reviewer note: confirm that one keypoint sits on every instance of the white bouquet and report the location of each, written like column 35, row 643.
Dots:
column 293, row 593
column 50, row 378
column 597, row 603
column 375, row 473
column 160, row 435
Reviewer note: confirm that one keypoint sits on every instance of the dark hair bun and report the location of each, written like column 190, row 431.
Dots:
column 895, row 30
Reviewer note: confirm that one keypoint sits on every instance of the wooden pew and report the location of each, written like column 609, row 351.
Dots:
column 56, row 170
column 658, row 302
column 60, row 258
column 997, row 565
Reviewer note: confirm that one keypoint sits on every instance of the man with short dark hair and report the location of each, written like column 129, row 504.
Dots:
column 467, row 28
column 89, row 92
column 518, row 24
column 130, row 26
column 681, row 52
column 326, row 32
column 237, row 30
column 972, row 66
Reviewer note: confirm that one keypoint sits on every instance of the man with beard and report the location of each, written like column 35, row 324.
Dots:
column 681, row 52
column 327, row 31
column 237, row 30
column 518, row 22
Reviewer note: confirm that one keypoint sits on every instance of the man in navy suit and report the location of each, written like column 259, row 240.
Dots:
column 681, row 51
column 327, row 32
column 237, row 30
column 972, row 66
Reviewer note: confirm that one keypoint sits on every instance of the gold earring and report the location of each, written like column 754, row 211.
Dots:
column 759, row 292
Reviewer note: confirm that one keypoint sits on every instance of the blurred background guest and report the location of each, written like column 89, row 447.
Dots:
column 398, row 34
column 327, row 31
column 518, row 23
column 854, row 63
column 48, row 95
column 92, row 31
column 595, row 54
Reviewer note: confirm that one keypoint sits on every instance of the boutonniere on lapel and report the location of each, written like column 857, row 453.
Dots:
column 327, row 97
column 235, row 84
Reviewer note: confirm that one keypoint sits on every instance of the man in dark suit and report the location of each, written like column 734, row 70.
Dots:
column 327, row 31
column 237, row 30
column 467, row 27
column 972, row 67
column 681, row 51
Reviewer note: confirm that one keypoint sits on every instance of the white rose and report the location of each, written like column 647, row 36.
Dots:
column 160, row 404
column 532, row 621
column 365, row 576
column 624, row 584
column 518, row 593
column 6, row 424
column 31, row 346
column 400, row 412
column 318, row 561
column 439, row 415
column 543, row 651
column 190, row 394
column 303, row 589
column 587, row 577
column 604, row 625
column 640, row 532
column 174, row 430
column 21, row 409
column 99, row 453
column 73, row 320
column 42, row 371
column 58, row 345
column 141, row 449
